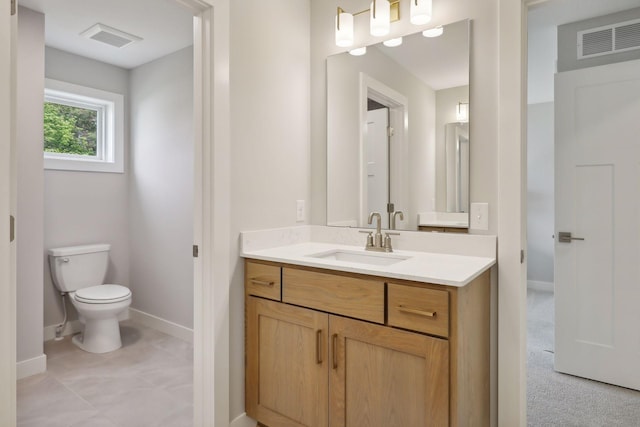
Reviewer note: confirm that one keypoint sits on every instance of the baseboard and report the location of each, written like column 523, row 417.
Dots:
column 540, row 286
column 33, row 366
column 72, row 327
column 161, row 325
column 243, row 421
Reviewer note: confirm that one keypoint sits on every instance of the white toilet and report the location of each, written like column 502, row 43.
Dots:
column 80, row 271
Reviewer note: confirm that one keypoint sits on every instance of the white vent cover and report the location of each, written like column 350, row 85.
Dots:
column 111, row 36
column 616, row 38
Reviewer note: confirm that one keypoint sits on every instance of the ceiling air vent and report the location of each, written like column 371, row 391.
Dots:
column 616, row 38
column 111, row 36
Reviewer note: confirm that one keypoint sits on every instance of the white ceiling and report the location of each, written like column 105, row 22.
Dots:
column 543, row 50
column 164, row 25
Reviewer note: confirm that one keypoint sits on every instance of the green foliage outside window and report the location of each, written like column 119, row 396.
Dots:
column 70, row 130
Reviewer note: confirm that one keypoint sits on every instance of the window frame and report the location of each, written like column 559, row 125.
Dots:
column 109, row 128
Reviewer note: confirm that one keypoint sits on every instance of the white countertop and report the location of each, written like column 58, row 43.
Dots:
column 421, row 266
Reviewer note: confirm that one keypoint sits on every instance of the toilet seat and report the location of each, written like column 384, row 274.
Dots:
column 102, row 294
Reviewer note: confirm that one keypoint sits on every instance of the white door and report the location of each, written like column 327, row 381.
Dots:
column 377, row 158
column 597, row 192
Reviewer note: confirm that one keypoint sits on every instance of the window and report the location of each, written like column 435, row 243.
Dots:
column 83, row 128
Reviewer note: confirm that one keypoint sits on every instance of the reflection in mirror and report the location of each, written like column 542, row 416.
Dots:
column 398, row 133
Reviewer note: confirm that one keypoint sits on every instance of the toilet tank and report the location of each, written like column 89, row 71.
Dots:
column 77, row 267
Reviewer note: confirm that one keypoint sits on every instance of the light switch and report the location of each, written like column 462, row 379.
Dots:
column 479, row 216
column 299, row 210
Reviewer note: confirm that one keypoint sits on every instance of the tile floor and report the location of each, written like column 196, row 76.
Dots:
column 148, row 382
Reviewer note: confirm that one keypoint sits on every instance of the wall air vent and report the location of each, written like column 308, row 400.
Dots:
column 111, row 36
column 616, row 38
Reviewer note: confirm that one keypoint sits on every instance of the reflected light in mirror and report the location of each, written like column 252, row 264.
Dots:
column 420, row 12
column 359, row 51
column 462, row 112
column 434, row 32
column 393, row 42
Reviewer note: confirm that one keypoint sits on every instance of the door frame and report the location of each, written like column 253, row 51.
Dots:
column 512, row 190
column 211, row 234
column 8, row 34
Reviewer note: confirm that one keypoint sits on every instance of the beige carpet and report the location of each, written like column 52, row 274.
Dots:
column 555, row 399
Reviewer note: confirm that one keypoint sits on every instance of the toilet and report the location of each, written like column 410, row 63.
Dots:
column 79, row 271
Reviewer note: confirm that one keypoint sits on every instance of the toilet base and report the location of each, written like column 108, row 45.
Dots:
column 99, row 336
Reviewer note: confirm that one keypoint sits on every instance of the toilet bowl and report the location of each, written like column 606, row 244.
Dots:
column 79, row 272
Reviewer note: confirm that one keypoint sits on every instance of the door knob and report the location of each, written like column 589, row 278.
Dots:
column 565, row 237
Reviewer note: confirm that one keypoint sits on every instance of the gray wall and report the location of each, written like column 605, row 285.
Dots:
column 269, row 139
column 567, row 37
column 540, row 192
column 29, row 269
column 161, row 187
column 86, row 207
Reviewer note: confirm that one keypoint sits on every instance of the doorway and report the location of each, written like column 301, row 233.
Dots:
column 554, row 398
column 105, row 187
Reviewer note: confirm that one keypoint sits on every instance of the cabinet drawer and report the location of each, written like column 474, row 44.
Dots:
column 349, row 296
column 262, row 280
column 418, row 309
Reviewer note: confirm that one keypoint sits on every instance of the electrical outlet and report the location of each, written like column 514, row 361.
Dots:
column 299, row 210
column 479, row 216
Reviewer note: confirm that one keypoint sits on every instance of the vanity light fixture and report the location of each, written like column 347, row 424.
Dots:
column 359, row 51
column 433, row 32
column 344, row 28
column 382, row 14
column 420, row 12
column 462, row 112
column 393, row 42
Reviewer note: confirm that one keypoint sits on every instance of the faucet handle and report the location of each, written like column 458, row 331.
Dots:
column 369, row 238
column 387, row 241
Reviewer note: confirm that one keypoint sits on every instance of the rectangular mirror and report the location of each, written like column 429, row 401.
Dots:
column 398, row 133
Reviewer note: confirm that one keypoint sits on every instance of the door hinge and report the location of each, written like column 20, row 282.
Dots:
column 390, row 131
column 521, row 256
column 12, row 228
column 390, row 208
column 195, row 251
column 13, row 7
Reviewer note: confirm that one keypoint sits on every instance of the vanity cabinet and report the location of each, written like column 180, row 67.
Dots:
column 345, row 350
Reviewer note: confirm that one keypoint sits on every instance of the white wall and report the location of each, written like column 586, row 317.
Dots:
column 30, row 184
column 161, row 187
column 446, row 104
column 86, row 207
column 540, row 192
column 269, row 139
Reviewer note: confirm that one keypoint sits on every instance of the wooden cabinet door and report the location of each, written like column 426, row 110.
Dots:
column 286, row 364
column 384, row 377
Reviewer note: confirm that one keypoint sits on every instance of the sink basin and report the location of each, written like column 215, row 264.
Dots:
column 369, row 258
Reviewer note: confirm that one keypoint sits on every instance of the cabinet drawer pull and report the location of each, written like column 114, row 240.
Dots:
column 262, row 282
column 414, row 311
column 335, row 351
column 319, row 346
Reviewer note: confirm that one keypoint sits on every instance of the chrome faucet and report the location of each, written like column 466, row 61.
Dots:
column 375, row 242
column 377, row 239
column 393, row 219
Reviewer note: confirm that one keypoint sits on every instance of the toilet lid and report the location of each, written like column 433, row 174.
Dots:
column 103, row 294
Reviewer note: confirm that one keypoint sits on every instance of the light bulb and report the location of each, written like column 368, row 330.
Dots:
column 380, row 21
column 420, row 12
column 344, row 29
